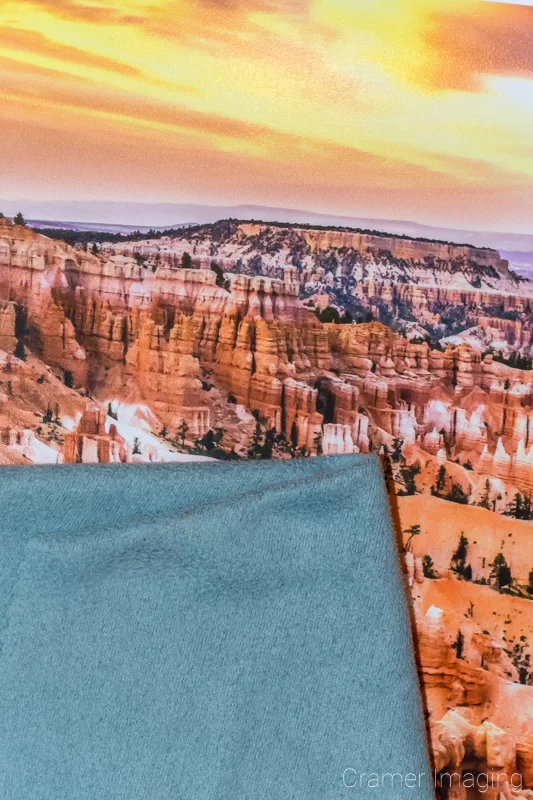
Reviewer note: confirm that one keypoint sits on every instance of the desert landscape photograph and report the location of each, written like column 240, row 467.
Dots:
column 282, row 230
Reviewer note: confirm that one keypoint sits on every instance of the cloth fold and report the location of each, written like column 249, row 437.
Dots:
column 205, row 631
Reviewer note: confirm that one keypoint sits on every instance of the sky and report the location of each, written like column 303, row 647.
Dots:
column 403, row 109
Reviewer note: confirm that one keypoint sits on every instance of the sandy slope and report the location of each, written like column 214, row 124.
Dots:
column 500, row 615
column 441, row 525
column 27, row 389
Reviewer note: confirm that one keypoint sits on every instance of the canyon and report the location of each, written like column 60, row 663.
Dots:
column 418, row 286
column 245, row 355
column 247, row 340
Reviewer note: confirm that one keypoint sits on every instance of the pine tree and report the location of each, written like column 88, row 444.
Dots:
column 457, row 495
column 186, row 261
column 19, row 350
column 219, row 273
column 18, row 219
column 520, row 508
column 501, row 572
column 414, row 530
column 68, row 379
column 347, row 318
column 409, row 477
column 397, row 445
column 136, row 447
column 208, row 440
column 256, row 443
column 458, row 561
column 521, row 659
column 181, row 433
column 329, row 314
column 211, row 440
column 427, row 567
column 516, row 506
column 268, row 444
column 441, row 479
column 459, row 644
column 485, row 498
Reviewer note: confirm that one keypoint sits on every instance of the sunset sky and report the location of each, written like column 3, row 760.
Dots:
column 406, row 109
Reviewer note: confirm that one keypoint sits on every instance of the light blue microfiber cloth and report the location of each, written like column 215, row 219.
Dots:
column 205, row 632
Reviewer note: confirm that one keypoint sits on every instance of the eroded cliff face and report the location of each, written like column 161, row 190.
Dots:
column 401, row 248
column 420, row 288
column 156, row 336
column 293, row 245
column 113, row 358
column 479, row 711
column 195, row 352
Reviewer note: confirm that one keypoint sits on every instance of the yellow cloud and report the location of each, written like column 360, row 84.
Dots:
column 412, row 92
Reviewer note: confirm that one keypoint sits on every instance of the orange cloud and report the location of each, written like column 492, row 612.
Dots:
column 495, row 40
column 263, row 6
column 317, row 102
column 33, row 42
column 86, row 12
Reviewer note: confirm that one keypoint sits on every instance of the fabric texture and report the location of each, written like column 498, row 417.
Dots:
column 205, row 632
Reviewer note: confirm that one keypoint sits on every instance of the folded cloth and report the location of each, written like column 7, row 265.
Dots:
column 205, row 631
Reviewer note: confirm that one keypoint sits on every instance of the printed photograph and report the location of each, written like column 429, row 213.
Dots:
column 283, row 229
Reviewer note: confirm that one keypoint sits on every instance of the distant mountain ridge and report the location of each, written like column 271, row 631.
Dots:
column 98, row 227
column 421, row 287
column 137, row 215
column 307, row 226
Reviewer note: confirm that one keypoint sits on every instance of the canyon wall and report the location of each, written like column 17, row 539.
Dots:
column 110, row 358
column 403, row 248
column 165, row 336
